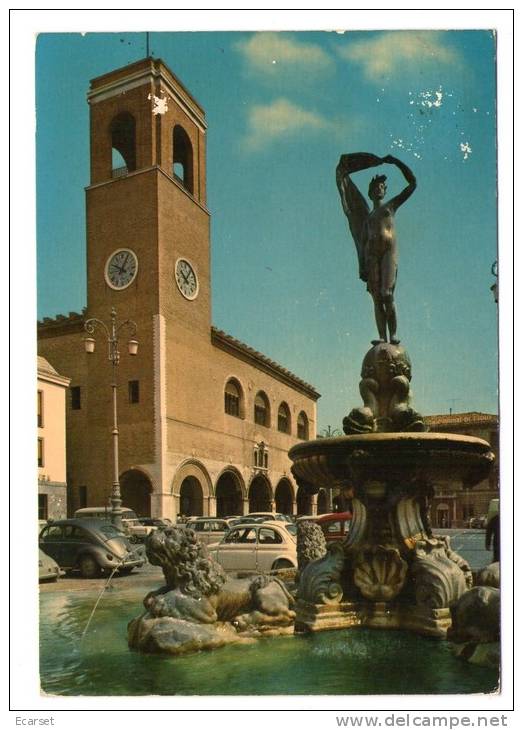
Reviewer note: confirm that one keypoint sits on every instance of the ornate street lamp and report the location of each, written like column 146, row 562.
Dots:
column 494, row 287
column 112, row 332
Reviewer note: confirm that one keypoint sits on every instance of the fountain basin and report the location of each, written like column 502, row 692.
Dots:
column 329, row 663
column 394, row 458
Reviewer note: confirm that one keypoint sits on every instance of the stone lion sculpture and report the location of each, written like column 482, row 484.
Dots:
column 199, row 606
column 475, row 630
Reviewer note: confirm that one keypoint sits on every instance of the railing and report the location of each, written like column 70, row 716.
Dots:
column 119, row 171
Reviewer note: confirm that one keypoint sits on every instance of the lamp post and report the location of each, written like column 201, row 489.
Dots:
column 112, row 332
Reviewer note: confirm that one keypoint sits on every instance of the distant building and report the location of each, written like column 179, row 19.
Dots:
column 205, row 421
column 50, row 405
column 453, row 506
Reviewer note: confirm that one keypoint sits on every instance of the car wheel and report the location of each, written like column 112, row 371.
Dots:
column 282, row 564
column 89, row 568
column 126, row 571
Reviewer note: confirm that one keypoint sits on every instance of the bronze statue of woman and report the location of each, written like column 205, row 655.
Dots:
column 374, row 232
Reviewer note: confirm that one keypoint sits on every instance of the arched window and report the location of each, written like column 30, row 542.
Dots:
column 303, row 426
column 233, row 399
column 284, row 418
column 123, row 143
column 261, row 409
column 182, row 158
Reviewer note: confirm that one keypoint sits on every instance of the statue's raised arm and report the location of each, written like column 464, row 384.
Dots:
column 405, row 194
column 354, row 204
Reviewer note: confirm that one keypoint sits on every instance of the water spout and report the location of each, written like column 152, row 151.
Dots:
column 104, row 588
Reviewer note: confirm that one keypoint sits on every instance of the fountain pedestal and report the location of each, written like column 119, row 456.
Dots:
column 380, row 615
column 391, row 572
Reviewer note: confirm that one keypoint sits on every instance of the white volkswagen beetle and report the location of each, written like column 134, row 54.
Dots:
column 259, row 547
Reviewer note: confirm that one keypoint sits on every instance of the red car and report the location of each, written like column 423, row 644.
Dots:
column 335, row 525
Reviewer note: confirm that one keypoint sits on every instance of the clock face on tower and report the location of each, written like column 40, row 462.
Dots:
column 121, row 268
column 186, row 279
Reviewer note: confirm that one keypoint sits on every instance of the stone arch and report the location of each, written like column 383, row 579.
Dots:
column 191, row 497
column 230, row 493
column 260, row 494
column 323, row 502
column 284, row 497
column 123, row 143
column 136, row 488
column 192, row 489
column 303, row 502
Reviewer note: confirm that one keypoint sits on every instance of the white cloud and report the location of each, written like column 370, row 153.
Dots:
column 282, row 118
column 271, row 53
column 395, row 52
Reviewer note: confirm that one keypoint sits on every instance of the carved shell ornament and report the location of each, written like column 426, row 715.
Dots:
column 379, row 573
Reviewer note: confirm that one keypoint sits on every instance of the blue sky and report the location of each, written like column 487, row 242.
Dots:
column 281, row 108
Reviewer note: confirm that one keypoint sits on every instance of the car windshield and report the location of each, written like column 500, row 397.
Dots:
column 292, row 529
column 109, row 532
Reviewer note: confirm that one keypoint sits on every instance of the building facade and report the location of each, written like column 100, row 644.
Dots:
column 205, row 421
column 453, row 505
column 51, row 452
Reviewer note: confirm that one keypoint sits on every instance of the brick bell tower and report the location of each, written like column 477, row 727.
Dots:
column 148, row 255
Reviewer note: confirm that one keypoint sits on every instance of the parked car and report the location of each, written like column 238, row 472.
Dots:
column 278, row 516
column 335, row 525
column 132, row 526
column 478, row 523
column 259, row 546
column 246, row 520
column 233, row 521
column 208, row 529
column 48, row 569
column 90, row 546
column 155, row 522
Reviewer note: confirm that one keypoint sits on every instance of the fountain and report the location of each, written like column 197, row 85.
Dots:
column 392, row 572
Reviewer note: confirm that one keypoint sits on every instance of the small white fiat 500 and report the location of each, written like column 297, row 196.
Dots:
column 259, row 547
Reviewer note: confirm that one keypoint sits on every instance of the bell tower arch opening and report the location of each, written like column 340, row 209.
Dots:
column 183, row 158
column 123, row 144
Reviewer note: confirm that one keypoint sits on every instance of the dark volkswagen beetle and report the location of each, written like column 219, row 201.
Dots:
column 90, row 546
